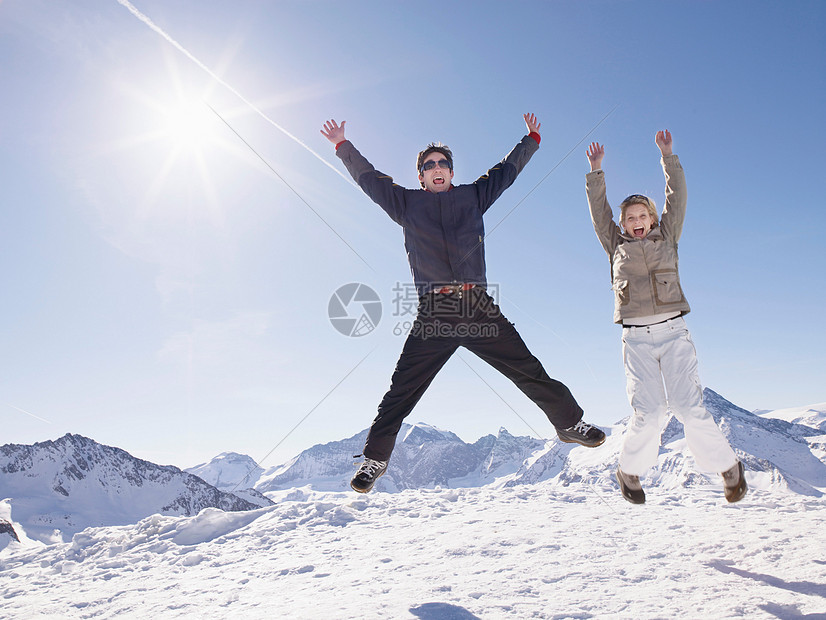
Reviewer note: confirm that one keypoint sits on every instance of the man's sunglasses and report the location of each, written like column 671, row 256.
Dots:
column 443, row 163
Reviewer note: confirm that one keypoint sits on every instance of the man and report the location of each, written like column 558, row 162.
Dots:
column 444, row 238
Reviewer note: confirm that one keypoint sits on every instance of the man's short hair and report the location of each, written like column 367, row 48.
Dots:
column 639, row 199
column 433, row 147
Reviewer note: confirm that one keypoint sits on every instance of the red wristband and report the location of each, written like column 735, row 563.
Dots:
column 340, row 143
column 535, row 136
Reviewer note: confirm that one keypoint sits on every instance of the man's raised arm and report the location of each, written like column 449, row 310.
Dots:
column 379, row 187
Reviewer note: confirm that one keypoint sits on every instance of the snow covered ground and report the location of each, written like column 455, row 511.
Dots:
column 537, row 529
column 533, row 551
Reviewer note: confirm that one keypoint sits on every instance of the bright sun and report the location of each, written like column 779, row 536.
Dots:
column 180, row 145
column 188, row 136
column 189, row 126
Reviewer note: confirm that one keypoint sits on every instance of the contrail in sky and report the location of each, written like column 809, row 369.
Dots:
column 132, row 9
column 27, row 413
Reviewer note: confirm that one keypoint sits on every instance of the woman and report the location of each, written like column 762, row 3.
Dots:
column 656, row 345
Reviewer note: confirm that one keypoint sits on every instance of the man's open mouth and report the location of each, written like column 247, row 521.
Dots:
column 639, row 232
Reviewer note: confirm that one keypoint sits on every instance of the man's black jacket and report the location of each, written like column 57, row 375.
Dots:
column 443, row 231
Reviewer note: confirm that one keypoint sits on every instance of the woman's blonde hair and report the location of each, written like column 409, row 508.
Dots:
column 639, row 199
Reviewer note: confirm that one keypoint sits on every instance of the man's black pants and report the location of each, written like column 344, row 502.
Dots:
column 472, row 320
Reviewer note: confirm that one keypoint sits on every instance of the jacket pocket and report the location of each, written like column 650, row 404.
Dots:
column 623, row 292
column 667, row 288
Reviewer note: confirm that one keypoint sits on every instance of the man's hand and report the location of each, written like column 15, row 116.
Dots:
column 595, row 154
column 333, row 131
column 532, row 123
column 663, row 140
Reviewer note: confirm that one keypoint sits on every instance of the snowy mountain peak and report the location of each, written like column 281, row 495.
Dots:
column 421, row 432
column 60, row 487
column 722, row 410
column 781, row 454
column 228, row 471
column 777, row 453
column 424, row 456
column 813, row 416
column 234, row 457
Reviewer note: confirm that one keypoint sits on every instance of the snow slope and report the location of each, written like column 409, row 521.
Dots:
column 532, row 551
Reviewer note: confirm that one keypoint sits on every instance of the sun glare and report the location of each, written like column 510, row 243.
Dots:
column 181, row 141
column 189, row 126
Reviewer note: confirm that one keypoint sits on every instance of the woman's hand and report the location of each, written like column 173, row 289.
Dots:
column 595, row 154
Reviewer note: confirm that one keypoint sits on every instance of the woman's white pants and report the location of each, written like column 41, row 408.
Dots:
column 661, row 372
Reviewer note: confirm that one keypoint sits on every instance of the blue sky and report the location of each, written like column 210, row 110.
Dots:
column 166, row 292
